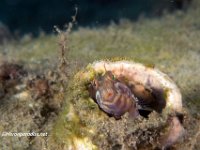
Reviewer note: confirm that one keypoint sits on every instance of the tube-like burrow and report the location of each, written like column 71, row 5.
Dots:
column 165, row 90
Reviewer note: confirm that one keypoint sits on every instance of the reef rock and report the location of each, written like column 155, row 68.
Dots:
column 156, row 102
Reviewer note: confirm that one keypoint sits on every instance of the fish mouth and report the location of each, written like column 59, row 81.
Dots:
column 153, row 89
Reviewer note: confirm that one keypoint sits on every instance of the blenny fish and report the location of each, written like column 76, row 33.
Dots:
column 114, row 97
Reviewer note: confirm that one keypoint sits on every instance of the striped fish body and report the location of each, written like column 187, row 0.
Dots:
column 115, row 98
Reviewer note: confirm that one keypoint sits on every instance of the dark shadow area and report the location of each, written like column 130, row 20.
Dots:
column 33, row 16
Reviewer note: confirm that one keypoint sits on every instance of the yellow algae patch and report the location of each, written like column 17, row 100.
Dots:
column 82, row 144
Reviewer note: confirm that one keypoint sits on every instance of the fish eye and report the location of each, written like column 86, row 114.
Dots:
column 98, row 97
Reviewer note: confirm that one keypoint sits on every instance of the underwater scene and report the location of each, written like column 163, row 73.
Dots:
column 100, row 75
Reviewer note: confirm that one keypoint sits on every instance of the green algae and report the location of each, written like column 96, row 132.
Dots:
column 71, row 124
